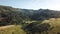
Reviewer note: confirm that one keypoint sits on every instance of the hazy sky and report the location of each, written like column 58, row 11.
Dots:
column 32, row 4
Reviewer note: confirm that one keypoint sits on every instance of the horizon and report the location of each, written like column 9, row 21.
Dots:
column 32, row 4
column 29, row 9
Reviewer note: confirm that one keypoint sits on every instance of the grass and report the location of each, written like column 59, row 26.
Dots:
column 16, row 29
column 54, row 22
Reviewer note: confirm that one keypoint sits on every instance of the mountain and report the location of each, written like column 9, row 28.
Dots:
column 12, row 15
column 41, row 14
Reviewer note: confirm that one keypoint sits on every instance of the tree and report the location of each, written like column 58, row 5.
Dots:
column 37, row 28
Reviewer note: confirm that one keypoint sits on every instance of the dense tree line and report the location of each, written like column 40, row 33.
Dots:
column 37, row 28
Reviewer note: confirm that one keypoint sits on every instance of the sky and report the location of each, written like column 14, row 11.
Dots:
column 32, row 4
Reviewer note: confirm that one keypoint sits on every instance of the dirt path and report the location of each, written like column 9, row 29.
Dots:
column 8, row 26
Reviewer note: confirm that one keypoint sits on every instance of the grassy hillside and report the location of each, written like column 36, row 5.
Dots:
column 55, row 23
column 15, row 29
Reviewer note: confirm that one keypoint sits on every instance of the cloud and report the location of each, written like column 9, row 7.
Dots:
column 46, row 4
column 33, row 4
